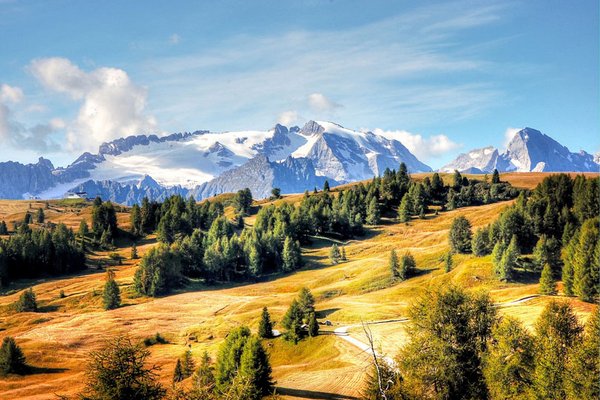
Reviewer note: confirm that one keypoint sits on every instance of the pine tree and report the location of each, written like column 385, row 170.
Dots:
column 334, row 254
column 408, row 266
column 479, row 244
column 27, row 302
column 547, row 282
column 448, row 261
column 255, row 366
column 495, row 177
column 313, row 325
column 83, row 229
column 343, row 255
column 568, row 270
column 12, row 359
column 584, row 363
column 292, row 322
column 306, row 302
column 404, row 211
column 111, row 297
column 291, row 255
column 393, row 264
column 40, row 217
column 460, row 235
column 205, row 376
column 3, row 228
column 373, row 212
column 265, row 327
column 557, row 332
column 106, row 239
column 178, row 373
column 134, row 253
column 508, row 365
column 187, row 364
column 325, row 187
column 585, row 274
column 508, row 262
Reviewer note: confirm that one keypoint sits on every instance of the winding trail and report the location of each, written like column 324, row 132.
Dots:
column 342, row 331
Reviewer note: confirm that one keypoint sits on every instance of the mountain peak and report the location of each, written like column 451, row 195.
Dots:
column 312, row 128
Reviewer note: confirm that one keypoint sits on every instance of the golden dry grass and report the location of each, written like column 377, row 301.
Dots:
column 347, row 293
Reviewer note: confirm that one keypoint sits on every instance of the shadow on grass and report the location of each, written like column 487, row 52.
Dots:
column 525, row 276
column 32, row 370
column 327, row 312
column 310, row 394
column 47, row 308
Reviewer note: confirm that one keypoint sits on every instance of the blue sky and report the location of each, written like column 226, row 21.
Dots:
column 444, row 77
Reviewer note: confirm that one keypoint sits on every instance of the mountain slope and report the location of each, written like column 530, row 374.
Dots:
column 529, row 151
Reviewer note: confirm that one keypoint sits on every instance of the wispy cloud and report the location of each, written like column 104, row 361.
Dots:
column 250, row 79
column 425, row 148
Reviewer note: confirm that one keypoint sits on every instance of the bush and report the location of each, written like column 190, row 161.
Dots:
column 26, row 302
column 156, row 339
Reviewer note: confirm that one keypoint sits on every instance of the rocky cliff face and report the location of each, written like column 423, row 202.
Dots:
column 529, row 150
column 18, row 180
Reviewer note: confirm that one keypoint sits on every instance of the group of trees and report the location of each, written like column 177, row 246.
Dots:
column 31, row 253
column 460, row 349
column 403, row 269
column 560, row 213
column 300, row 318
column 104, row 222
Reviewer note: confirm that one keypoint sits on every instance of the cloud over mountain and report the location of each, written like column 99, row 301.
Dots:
column 111, row 106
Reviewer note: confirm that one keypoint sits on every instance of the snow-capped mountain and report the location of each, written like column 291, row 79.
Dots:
column 206, row 163
column 528, row 151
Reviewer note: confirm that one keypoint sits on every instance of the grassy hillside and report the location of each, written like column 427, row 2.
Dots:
column 57, row 339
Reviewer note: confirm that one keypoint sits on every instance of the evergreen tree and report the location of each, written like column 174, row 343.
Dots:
column 275, row 193
column 83, row 229
column 291, row 255
column 460, row 235
column 509, row 362
column 3, row 228
column 325, row 187
column 119, row 371
column 306, row 302
column 292, row 322
column 394, row 265
column 40, row 217
column 27, row 302
column 187, row 364
column 586, row 275
column 135, row 218
column 408, row 266
column 495, row 177
column 205, row 376
column 479, row 244
column 334, row 254
column 497, row 253
column 404, row 211
column 265, row 327
column 373, row 212
column 508, row 262
column 134, row 253
column 547, row 282
column 313, row 325
column 178, row 373
column 456, row 180
column 449, row 333
column 255, row 366
column 343, row 255
column 584, row 363
column 27, row 219
column 568, row 271
column 448, row 261
column 557, row 332
column 12, row 359
column 230, row 353
column 243, row 201
column 106, row 239
column 111, row 298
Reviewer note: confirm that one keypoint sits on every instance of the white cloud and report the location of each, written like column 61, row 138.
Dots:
column 424, row 148
column 11, row 94
column 509, row 134
column 174, row 39
column 318, row 103
column 112, row 105
column 288, row 118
